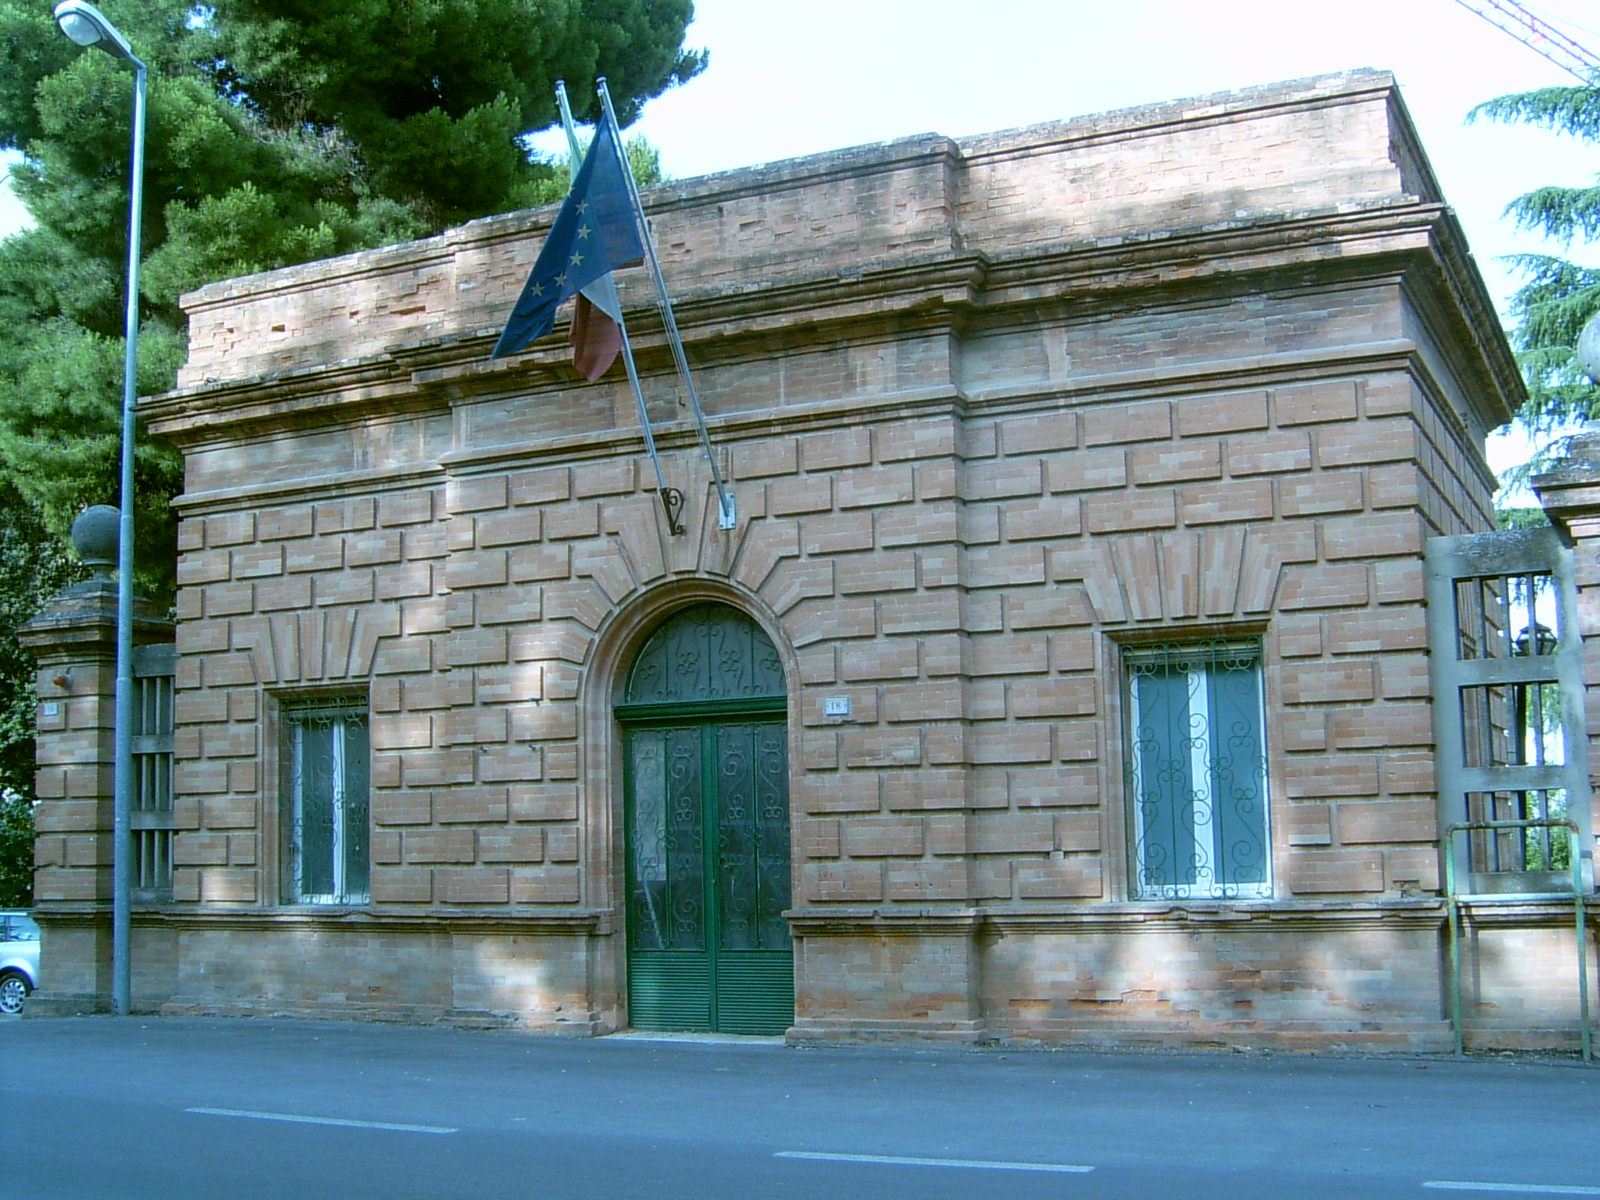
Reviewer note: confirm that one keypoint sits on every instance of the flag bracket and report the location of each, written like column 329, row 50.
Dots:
column 604, row 207
column 672, row 501
column 725, row 509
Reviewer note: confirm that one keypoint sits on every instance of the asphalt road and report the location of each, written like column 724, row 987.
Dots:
column 175, row 1109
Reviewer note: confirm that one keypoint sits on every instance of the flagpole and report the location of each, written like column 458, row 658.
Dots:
column 727, row 519
column 671, row 498
column 574, row 151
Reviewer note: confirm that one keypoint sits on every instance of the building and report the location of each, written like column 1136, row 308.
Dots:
column 1066, row 676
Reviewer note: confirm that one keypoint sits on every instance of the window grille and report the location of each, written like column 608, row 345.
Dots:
column 326, row 764
column 150, row 808
column 1196, row 771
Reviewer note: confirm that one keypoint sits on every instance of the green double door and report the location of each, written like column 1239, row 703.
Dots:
column 708, row 872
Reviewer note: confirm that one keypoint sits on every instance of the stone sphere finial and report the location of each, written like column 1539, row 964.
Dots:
column 1589, row 348
column 95, row 535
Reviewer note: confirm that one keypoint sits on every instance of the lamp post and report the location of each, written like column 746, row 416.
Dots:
column 87, row 26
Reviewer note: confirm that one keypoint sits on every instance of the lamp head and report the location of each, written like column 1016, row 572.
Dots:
column 87, row 26
column 1537, row 638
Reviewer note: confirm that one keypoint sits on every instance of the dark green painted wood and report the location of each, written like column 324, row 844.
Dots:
column 670, row 990
column 755, row 991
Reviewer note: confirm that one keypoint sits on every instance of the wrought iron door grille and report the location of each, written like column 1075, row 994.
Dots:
column 1196, row 771
column 326, row 758
column 707, row 652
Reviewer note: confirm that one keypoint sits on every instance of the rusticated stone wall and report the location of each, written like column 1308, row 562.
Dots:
column 991, row 410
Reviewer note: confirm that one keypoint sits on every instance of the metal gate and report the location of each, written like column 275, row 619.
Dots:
column 1506, row 658
column 1512, row 752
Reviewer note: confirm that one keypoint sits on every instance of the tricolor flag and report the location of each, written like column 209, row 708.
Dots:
column 596, row 231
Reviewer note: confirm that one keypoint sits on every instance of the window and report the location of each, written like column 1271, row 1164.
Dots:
column 325, row 770
column 1197, row 773
column 152, row 820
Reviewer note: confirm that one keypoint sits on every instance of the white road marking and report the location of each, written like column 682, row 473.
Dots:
column 299, row 1119
column 1514, row 1189
column 971, row 1164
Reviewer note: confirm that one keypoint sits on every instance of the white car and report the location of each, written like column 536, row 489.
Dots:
column 19, row 959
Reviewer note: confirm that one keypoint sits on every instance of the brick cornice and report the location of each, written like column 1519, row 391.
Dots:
column 322, row 487
column 946, row 400
column 1570, row 491
column 857, row 304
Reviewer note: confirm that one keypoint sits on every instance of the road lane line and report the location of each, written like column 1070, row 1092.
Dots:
column 299, row 1119
column 1514, row 1189
column 971, row 1164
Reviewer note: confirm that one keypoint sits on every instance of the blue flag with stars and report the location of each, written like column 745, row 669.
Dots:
column 595, row 232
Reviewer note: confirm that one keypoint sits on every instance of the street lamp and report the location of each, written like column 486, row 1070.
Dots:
column 87, row 26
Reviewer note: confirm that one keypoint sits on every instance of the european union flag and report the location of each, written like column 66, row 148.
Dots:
column 596, row 231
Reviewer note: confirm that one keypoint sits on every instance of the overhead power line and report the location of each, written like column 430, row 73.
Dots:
column 1540, row 37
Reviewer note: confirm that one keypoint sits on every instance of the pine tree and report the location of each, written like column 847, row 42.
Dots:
column 1558, row 296
column 278, row 131
column 33, row 567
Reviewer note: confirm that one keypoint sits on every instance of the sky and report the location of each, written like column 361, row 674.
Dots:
column 789, row 78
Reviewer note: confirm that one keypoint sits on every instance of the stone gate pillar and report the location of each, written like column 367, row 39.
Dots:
column 1570, row 495
column 74, row 640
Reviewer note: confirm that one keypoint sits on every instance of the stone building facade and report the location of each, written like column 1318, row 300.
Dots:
column 1065, row 676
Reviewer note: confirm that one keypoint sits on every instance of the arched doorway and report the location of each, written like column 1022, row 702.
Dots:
column 707, row 819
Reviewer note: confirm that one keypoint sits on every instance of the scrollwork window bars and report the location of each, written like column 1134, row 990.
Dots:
column 326, row 767
column 1196, row 771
